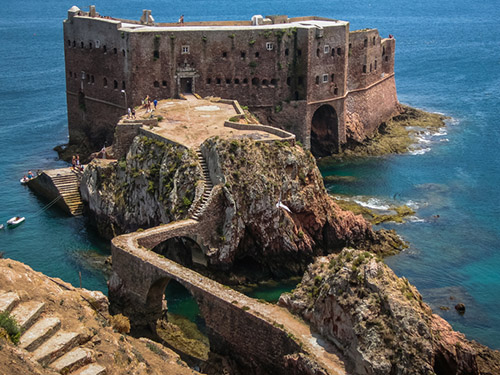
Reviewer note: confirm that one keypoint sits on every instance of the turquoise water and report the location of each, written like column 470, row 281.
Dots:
column 447, row 60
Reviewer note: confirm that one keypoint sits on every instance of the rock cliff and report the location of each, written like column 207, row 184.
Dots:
column 380, row 321
column 155, row 184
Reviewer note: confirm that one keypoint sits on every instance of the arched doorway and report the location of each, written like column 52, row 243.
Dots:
column 324, row 131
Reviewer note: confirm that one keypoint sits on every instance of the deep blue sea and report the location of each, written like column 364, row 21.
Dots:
column 448, row 60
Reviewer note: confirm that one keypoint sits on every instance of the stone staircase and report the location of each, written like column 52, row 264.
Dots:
column 45, row 341
column 201, row 203
column 68, row 185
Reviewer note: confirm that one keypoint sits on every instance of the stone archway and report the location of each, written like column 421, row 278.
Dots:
column 183, row 250
column 324, row 131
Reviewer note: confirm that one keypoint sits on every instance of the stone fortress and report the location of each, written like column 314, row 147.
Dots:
column 311, row 76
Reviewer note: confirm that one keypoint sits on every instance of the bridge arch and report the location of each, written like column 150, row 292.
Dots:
column 184, row 250
column 324, row 131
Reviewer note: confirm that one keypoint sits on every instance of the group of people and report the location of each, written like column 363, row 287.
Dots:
column 146, row 103
column 131, row 113
column 75, row 162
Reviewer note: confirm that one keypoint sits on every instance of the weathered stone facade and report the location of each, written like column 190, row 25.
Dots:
column 303, row 74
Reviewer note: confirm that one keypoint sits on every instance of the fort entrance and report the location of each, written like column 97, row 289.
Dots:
column 186, row 85
column 324, row 131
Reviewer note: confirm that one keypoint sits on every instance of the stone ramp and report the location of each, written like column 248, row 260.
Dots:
column 208, row 186
column 45, row 342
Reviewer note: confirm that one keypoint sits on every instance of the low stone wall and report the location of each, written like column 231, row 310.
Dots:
column 286, row 136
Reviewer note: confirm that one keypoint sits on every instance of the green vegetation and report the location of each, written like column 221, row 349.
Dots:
column 394, row 214
column 9, row 326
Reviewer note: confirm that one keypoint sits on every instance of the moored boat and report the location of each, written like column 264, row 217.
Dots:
column 15, row 221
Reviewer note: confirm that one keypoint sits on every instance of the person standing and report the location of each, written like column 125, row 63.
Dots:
column 181, row 20
column 155, row 103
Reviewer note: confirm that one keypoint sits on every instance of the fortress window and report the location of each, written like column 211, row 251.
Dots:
column 371, row 67
column 375, row 64
column 228, row 81
column 97, row 43
column 326, row 49
column 255, row 81
column 325, row 78
column 185, row 49
column 335, row 91
column 245, row 81
column 364, row 68
column 218, row 81
column 123, row 52
column 333, row 52
column 123, row 85
column 300, row 80
column 164, row 84
column 81, row 44
column 299, row 52
column 366, row 43
column 317, row 52
column 243, row 54
column 236, row 81
column 90, row 45
column 288, row 81
column 224, row 54
column 69, row 43
column 156, row 84
column 70, row 74
column 269, row 46
column 115, row 51
column 209, row 81
column 115, row 84
column 274, row 82
column 317, row 80
column 92, row 79
column 339, row 51
column 387, row 58
column 383, row 51
column 88, row 79
column 287, row 51
column 374, row 40
column 105, row 82
column 156, row 55
column 332, row 77
column 350, row 47
column 264, row 82
column 296, row 95
column 104, row 49
column 257, row 54
column 74, row 44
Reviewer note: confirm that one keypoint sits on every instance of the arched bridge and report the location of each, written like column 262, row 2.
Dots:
column 262, row 336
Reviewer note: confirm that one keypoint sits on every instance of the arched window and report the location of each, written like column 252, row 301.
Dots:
column 243, row 54
column 209, row 81
column 287, row 52
column 236, row 81
column 92, row 79
column 81, row 44
column 332, row 77
column 335, row 91
column 364, row 68
column 366, row 43
column 339, row 51
column 374, row 39
column 123, row 52
column 115, row 51
column 164, row 84
column 228, row 81
column 317, row 52
column 104, row 49
column 288, row 81
column 371, row 67
column 156, row 84
column 224, row 54
column 69, row 43
column 123, row 85
column 264, row 82
column 218, row 81
column 255, row 81
column 257, row 54
column 74, row 44
column 115, row 84
column 274, row 82
column 317, row 80
column 90, row 45
column 245, row 81
column 375, row 64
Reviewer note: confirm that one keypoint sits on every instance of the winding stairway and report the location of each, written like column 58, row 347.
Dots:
column 208, row 186
column 61, row 351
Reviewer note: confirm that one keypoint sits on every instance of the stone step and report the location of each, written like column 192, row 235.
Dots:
column 26, row 313
column 56, row 346
column 91, row 369
column 72, row 360
column 39, row 332
column 8, row 301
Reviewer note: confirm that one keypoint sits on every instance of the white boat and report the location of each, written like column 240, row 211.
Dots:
column 1, row 226
column 24, row 180
column 15, row 221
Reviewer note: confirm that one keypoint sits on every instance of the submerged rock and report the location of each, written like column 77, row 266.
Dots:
column 380, row 321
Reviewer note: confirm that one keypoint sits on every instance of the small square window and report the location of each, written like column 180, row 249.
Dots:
column 326, row 49
column 269, row 46
column 185, row 49
column 325, row 78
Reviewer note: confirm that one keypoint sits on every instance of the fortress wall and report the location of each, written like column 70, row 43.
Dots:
column 327, row 63
column 367, row 109
column 92, row 67
column 365, row 58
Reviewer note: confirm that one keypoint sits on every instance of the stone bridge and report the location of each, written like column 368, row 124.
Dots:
column 262, row 337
